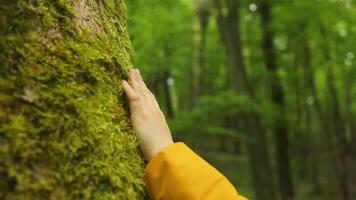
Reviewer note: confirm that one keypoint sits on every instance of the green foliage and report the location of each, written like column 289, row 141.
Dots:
column 64, row 126
column 161, row 22
column 219, row 107
column 313, row 40
column 162, row 36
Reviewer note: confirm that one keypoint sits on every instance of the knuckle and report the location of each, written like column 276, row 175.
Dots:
column 143, row 84
column 135, row 98
column 145, row 114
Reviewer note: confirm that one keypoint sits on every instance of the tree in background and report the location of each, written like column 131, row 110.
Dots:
column 202, row 9
column 64, row 126
column 229, row 28
column 280, row 124
column 318, row 38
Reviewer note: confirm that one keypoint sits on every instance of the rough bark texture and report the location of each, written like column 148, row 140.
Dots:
column 64, row 126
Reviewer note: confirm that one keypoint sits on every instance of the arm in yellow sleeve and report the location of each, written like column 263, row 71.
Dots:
column 177, row 173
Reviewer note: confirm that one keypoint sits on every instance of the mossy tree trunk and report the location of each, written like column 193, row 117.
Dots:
column 64, row 126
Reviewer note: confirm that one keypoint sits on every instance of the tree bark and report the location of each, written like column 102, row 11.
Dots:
column 65, row 131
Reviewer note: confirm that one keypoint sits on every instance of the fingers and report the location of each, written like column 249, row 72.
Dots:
column 136, row 87
column 130, row 92
column 140, row 80
column 134, row 79
column 138, row 94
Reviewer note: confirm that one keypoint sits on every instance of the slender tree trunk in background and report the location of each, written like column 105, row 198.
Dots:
column 302, row 132
column 160, row 85
column 167, row 83
column 229, row 29
column 352, row 119
column 324, row 125
column 341, row 144
column 349, row 83
column 308, row 102
column 200, row 29
column 280, row 124
column 196, row 75
column 312, row 155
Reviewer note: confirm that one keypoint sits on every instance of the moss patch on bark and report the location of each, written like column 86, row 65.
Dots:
column 64, row 126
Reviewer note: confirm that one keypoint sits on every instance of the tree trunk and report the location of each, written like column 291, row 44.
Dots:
column 65, row 131
column 349, row 82
column 341, row 145
column 280, row 123
column 161, row 85
column 200, row 28
column 339, row 131
column 229, row 29
column 353, row 135
column 325, row 126
column 168, row 81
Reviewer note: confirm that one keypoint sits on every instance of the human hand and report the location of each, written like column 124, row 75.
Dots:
column 148, row 120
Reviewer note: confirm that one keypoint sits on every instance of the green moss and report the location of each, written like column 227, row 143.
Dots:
column 64, row 126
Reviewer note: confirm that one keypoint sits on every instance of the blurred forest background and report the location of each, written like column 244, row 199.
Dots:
column 263, row 89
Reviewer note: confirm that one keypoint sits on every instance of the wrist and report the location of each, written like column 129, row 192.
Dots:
column 158, row 148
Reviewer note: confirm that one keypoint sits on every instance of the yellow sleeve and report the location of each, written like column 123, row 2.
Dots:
column 177, row 173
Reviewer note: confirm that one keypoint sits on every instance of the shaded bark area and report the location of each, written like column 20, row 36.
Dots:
column 229, row 29
column 280, row 123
